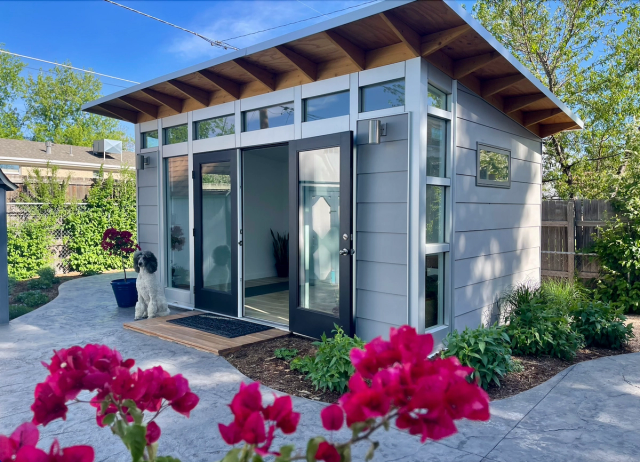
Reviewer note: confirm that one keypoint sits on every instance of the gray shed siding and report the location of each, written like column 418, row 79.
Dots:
column 381, row 228
column 148, row 210
column 497, row 231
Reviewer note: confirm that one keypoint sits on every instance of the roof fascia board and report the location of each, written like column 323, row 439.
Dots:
column 280, row 40
column 28, row 162
column 484, row 33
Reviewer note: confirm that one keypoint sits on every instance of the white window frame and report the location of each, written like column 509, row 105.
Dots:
column 493, row 183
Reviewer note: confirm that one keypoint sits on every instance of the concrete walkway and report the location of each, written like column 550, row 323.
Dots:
column 588, row 412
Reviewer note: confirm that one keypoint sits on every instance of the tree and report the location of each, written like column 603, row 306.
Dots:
column 53, row 109
column 11, row 86
column 585, row 52
column 46, row 187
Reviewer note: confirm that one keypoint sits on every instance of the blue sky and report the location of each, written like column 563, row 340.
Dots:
column 111, row 40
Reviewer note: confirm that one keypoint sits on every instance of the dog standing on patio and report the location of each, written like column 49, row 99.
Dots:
column 151, row 300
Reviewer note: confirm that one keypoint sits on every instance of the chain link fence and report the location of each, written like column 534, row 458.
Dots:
column 20, row 212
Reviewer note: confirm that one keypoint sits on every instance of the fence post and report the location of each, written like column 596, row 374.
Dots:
column 571, row 238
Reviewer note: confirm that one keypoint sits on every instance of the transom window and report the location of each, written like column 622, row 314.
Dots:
column 177, row 134
column 150, row 139
column 437, row 98
column 217, row 126
column 268, row 117
column 494, row 166
column 326, row 106
column 382, row 95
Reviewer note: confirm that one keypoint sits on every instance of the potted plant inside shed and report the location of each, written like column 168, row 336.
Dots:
column 281, row 253
column 120, row 244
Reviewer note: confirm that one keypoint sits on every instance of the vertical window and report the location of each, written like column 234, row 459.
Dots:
column 268, row 117
column 494, row 167
column 177, row 134
column 434, row 290
column 435, row 214
column 212, row 128
column 326, row 106
column 436, row 146
column 437, row 98
column 382, row 95
column 177, row 222
column 150, row 139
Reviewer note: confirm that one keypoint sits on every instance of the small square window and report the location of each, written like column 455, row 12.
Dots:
column 15, row 168
column 437, row 98
column 268, row 117
column 382, row 95
column 326, row 106
column 212, row 128
column 150, row 139
column 177, row 134
column 494, row 166
column 434, row 290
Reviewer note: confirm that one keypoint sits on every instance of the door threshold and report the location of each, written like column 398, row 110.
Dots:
column 275, row 325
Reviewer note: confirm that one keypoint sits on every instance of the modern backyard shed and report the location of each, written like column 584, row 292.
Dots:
column 399, row 148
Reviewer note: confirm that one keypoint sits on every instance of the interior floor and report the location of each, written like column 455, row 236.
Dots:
column 267, row 299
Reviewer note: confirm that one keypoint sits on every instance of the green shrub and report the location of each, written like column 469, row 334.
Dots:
column 47, row 278
column 109, row 204
column 12, row 283
column 285, row 353
column 602, row 325
column 562, row 294
column 29, row 246
column 330, row 368
column 15, row 311
column 537, row 326
column 31, row 298
column 485, row 349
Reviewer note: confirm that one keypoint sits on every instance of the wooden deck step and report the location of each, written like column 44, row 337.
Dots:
column 159, row 327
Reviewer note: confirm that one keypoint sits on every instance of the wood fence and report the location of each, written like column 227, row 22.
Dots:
column 567, row 231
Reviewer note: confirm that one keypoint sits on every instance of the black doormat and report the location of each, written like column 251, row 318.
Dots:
column 219, row 325
column 266, row 289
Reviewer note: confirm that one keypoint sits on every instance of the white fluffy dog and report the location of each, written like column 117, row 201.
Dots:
column 151, row 301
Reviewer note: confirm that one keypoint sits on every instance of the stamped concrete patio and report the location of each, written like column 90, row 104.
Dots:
column 588, row 412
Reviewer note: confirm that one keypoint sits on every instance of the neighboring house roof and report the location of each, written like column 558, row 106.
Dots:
column 33, row 153
column 384, row 33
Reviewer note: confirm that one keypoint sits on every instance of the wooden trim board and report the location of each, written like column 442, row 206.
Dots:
column 159, row 327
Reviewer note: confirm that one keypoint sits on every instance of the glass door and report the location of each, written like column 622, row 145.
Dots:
column 321, row 234
column 215, row 233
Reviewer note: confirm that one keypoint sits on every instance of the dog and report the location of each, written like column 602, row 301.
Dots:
column 151, row 301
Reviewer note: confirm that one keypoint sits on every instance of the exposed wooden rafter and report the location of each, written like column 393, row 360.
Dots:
column 173, row 103
column 201, row 96
column 533, row 117
column 466, row 66
column 514, row 103
column 552, row 129
column 493, row 86
column 141, row 106
column 121, row 113
column 406, row 34
column 304, row 65
column 229, row 87
column 355, row 54
column 433, row 42
column 261, row 75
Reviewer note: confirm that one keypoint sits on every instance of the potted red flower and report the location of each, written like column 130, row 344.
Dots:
column 121, row 244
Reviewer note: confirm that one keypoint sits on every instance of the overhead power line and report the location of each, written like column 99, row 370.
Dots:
column 64, row 65
column 215, row 43
column 301, row 20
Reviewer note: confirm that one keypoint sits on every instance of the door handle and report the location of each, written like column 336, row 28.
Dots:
column 347, row 252
column 240, row 243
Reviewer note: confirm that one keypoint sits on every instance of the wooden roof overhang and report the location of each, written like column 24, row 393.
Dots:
column 384, row 33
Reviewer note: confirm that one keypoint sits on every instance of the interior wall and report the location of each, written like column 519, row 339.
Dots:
column 265, row 207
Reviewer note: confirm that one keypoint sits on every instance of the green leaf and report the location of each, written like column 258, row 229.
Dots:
column 152, row 450
column 232, row 455
column 134, row 438
column 285, row 453
column 167, row 459
column 109, row 419
column 312, row 448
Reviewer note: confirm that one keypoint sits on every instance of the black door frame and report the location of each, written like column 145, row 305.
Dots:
column 301, row 320
column 206, row 299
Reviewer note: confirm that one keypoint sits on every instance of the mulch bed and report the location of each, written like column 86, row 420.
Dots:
column 259, row 363
column 51, row 293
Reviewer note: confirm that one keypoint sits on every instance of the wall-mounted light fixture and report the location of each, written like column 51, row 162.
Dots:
column 376, row 130
column 141, row 161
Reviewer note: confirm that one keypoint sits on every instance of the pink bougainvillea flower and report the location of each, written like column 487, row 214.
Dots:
column 253, row 429
column 327, row 452
column 332, row 417
column 153, row 433
column 281, row 412
column 48, row 405
column 185, row 404
column 21, row 447
column 264, row 450
column 173, row 387
column 71, row 454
